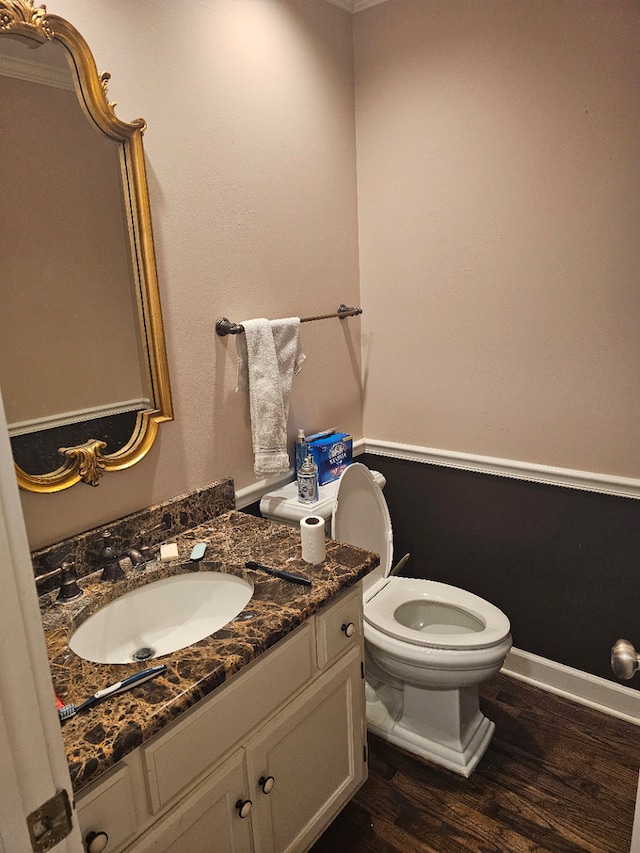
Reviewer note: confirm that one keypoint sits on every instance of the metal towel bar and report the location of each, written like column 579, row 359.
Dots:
column 226, row 327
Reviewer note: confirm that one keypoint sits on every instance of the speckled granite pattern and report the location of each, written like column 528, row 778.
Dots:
column 149, row 526
column 99, row 737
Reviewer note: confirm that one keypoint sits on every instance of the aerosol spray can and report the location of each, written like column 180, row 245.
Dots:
column 308, row 481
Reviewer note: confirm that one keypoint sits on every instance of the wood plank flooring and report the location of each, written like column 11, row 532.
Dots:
column 557, row 778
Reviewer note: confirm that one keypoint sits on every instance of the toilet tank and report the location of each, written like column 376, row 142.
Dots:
column 283, row 505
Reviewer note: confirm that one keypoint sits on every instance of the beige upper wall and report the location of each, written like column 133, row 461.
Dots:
column 498, row 188
column 499, row 202
column 250, row 153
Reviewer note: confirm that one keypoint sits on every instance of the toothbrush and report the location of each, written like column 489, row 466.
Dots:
column 286, row 576
column 68, row 711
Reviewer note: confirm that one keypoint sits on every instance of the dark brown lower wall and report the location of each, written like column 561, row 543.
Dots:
column 563, row 564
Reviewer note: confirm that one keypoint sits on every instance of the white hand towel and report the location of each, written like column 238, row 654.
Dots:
column 268, row 357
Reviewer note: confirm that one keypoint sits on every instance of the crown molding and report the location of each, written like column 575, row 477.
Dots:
column 355, row 6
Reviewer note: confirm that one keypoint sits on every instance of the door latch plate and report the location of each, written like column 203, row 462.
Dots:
column 50, row 823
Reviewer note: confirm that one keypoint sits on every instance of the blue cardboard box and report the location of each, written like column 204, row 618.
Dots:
column 332, row 454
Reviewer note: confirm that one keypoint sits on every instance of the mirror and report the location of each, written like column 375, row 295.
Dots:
column 83, row 366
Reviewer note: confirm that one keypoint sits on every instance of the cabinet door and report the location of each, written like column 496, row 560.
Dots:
column 196, row 743
column 207, row 819
column 339, row 627
column 107, row 807
column 312, row 756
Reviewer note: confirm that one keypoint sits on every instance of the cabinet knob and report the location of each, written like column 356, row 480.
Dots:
column 96, row 842
column 349, row 629
column 266, row 783
column 244, row 807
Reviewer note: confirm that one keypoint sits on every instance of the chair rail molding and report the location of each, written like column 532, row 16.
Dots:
column 627, row 487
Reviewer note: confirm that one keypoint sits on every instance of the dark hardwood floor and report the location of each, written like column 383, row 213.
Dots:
column 557, row 777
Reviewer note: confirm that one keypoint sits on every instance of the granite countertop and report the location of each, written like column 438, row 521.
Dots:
column 99, row 737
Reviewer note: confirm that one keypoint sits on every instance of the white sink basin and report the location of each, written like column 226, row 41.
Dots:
column 161, row 617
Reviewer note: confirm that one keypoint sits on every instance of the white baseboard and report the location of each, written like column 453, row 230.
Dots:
column 627, row 487
column 591, row 690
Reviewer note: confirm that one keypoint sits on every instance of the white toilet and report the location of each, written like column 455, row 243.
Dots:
column 428, row 645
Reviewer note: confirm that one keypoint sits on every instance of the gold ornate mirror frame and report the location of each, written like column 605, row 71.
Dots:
column 87, row 462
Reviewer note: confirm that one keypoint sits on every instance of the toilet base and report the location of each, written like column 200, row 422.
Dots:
column 443, row 726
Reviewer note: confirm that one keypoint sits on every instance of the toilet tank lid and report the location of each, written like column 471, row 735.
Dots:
column 360, row 514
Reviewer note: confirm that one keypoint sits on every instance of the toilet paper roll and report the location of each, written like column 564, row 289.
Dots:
column 312, row 538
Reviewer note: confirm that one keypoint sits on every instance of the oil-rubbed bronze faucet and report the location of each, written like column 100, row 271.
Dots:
column 69, row 589
column 137, row 556
column 141, row 554
column 112, row 570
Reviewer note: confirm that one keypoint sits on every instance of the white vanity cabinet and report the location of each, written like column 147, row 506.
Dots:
column 262, row 765
column 207, row 820
column 108, row 807
column 313, row 755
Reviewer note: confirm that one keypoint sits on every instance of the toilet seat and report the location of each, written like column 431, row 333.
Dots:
column 416, row 611
column 435, row 615
column 361, row 517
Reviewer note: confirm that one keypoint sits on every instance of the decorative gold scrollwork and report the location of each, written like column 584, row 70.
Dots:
column 88, row 460
column 16, row 14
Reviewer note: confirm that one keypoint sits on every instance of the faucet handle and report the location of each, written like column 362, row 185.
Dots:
column 69, row 588
column 112, row 570
column 107, row 544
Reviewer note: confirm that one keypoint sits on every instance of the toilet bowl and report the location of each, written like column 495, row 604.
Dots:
column 428, row 645
column 429, row 633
